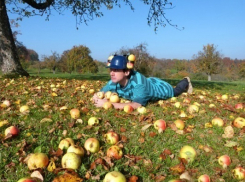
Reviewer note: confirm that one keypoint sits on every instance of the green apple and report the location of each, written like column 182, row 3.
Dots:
column 188, row 153
column 114, row 176
column 71, row 160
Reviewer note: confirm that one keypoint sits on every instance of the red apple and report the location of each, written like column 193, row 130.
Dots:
column 188, row 153
column 160, row 125
column 114, row 152
column 75, row 113
column 239, row 106
column 179, row 124
column 217, row 121
column 114, row 176
column 128, row 108
column 130, row 65
column 12, row 130
column 92, row 145
column 239, row 122
column 37, row 160
column 224, row 160
column 238, row 173
column 107, row 105
column 114, row 98
column 111, row 137
column 93, row 121
column 71, row 161
column 28, row 179
column 204, row 178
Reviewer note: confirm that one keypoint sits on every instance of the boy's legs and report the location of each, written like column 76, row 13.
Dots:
column 183, row 86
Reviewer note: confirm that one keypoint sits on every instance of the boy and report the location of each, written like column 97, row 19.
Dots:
column 134, row 86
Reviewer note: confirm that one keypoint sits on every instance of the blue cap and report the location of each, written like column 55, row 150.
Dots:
column 118, row 62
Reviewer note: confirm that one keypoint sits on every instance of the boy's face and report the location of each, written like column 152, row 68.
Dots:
column 119, row 76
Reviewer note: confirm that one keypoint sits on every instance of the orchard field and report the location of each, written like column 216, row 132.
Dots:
column 148, row 153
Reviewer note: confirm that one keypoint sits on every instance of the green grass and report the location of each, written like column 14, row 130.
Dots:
column 146, row 146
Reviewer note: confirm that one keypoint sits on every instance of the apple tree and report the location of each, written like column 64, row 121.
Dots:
column 209, row 60
column 83, row 10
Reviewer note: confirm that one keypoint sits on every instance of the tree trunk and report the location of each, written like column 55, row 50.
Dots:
column 9, row 60
column 209, row 77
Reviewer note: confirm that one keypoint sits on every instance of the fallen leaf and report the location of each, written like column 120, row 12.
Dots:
column 133, row 179
column 231, row 144
column 66, row 177
column 228, row 133
column 178, row 169
column 38, row 175
column 146, row 127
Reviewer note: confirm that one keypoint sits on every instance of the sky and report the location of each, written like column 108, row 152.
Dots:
column 217, row 22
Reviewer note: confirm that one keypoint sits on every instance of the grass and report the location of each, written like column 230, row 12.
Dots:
column 142, row 148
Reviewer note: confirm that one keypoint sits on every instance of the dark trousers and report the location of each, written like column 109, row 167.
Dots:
column 181, row 87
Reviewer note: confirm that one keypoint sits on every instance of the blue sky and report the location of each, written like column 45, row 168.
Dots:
column 218, row 22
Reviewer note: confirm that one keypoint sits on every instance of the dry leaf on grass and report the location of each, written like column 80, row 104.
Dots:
column 228, row 133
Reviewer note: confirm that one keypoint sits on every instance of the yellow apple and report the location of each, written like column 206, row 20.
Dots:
column 114, row 176
column 187, row 152
column 37, row 160
column 66, row 143
column 71, row 161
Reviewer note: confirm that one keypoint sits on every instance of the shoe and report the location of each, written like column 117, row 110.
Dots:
column 189, row 88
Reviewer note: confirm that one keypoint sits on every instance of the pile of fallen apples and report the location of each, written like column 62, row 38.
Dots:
column 74, row 154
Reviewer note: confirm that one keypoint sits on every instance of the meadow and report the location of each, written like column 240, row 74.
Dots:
column 148, row 154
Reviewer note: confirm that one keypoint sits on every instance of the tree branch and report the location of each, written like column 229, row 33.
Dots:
column 39, row 6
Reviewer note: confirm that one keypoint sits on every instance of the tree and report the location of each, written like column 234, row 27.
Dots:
column 209, row 60
column 51, row 61
column 78, row 59
column 84, row 11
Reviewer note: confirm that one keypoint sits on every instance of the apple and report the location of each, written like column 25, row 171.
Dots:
column 6, row 103
column 114, row 152
column 141, row 110
column 92, row 145
column 204, row 178
column 111, row 137
column 130, row 65
column 75, row 113
column 187, row 152
column 211, row 106
column 28, row 179
column 177, row 104
column 37, row 160
column 160, row 125
column 239, row 122
column 114, row 176
column 108, row 95
column 239, row 106
column 24, row 109
column 66, row 143
column 107, row 105
column 238, row 173
column 91, row 91
column 71, row 160
column 100, row 95
column 76, row 149
column 224, row 97
column 224, row 160
column 12, row 130
column 217, row 121
column 173, row 99
column 237, row 96
column 179, row 124
column 93, row 121
column 193, row 109
column 128, row 108
column 187, row 101
column 182, row 114
column 175, row 180
column 114, row 98
column 131, row 57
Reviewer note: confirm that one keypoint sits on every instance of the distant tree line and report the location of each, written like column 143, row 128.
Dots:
column 207, row 64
